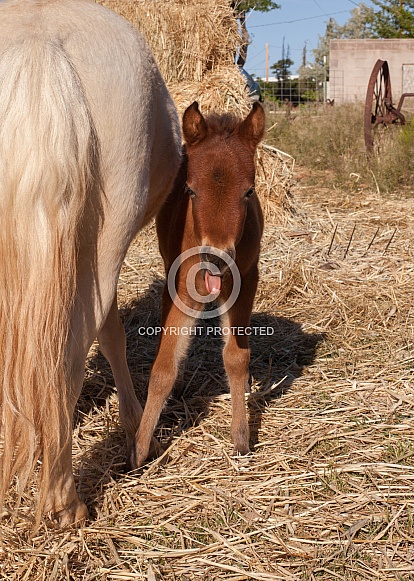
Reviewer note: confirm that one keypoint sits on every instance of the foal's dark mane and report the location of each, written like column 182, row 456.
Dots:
column 224, row 124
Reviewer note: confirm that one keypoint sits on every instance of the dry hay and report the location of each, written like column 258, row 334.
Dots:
column 220, row 90
column 274, row 180
column 328, row 490
column 189, row 38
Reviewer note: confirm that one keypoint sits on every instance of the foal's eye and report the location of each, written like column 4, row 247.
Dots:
column 249, row 193
column 189, row 191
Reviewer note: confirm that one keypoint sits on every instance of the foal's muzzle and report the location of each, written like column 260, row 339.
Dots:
column 217, row 261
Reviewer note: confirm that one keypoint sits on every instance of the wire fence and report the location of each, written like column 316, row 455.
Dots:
column 294, row 93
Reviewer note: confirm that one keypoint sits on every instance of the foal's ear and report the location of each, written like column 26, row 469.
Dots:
column 194, row 125
column 252, row 129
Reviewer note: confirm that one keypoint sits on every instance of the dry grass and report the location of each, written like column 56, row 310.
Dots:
column 328, row 491
column 313, row 142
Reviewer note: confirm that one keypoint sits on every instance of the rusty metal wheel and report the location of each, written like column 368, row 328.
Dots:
column 378, row 102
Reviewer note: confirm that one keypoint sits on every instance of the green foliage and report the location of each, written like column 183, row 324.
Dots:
column 295, row 91
column 394, row 19
column 313, row 71
column 358, row 26
column 310, row 96
column 259, row 5
column 281, row 69
column 407, row 134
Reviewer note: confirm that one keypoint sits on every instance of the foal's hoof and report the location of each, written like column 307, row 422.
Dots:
column 131, row 462
column 156, row 450
column 76, row 514
column 241, row 450
column 136, row 460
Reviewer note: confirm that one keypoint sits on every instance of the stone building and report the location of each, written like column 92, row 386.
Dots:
column 352, row 61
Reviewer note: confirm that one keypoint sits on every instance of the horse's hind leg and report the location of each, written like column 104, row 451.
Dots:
column 59, row 490
column 62, row 501
column 236, row 357
column 112, row 343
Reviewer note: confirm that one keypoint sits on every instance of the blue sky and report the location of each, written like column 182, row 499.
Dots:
column 298, row 21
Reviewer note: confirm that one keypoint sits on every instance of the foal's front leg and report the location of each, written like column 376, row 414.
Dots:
column 236, row 357
column 171, row 351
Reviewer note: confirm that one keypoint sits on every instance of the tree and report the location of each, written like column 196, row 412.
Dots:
column 281, row 67
column 394, row 19
column 242, row 8
column 319, row 69
column 260, row 5
column 358, row 26
column 305, row 55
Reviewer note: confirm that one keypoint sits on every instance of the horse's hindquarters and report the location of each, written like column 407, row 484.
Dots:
column 82, row 163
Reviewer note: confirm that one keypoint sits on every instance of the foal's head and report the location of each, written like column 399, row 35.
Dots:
column 221, row 172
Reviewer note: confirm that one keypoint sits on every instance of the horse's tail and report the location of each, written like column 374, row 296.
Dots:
column 49, row 161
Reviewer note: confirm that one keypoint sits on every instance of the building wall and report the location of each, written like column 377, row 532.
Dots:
column 352, row 61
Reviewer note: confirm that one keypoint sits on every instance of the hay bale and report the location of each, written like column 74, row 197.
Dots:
column 274, row 181
column 198, row 65
column 220, row 90
column 188, row 38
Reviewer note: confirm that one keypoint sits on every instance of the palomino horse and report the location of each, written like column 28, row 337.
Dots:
column 90, row 146
column 212, row 215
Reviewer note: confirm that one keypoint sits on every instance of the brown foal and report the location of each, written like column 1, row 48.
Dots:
column 213, row 216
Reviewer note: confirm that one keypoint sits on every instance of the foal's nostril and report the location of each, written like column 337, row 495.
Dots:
column 215, row 264
column 221, row 259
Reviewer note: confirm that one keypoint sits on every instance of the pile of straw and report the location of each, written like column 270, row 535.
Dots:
column 188, row 38
column 328, row 491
